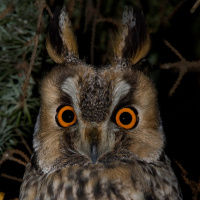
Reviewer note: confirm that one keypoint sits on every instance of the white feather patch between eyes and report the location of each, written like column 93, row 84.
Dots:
column 120, row 90
column 70, row 87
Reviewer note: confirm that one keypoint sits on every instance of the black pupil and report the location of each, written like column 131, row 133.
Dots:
column 125, row 118
column 68, row 116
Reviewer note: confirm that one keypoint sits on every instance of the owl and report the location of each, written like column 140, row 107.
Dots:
column 98, row 135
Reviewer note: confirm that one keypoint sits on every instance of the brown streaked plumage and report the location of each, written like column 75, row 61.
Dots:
column 94, row 157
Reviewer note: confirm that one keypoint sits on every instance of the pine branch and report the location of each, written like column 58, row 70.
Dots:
column 41, row 6
column 18, row 39
column 49, row 11
column 195, row 6
column 194, row 186
column 176, row 8
column 24, row 142
column 174, row 50
column 11, row 177
column 183, row 66
column 9, row 155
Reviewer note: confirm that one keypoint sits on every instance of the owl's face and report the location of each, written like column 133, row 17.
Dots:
column 94, row 115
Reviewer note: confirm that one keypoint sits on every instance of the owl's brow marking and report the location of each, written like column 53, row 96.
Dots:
column 69, row 86
column 121, row 89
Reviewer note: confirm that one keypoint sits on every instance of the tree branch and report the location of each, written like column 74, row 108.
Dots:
column 174, row 50
column 194, row 186
column 41, row 5
column 12, row 177
column 183, row 66
column 24, row 141
column 194, row 7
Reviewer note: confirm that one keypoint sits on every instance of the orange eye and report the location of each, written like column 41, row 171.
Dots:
column 126, row 118
column 66, row 116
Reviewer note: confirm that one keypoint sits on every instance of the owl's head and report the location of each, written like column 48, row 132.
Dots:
column 94, row 115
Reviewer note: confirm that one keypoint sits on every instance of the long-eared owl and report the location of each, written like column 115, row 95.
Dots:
column 99, row 134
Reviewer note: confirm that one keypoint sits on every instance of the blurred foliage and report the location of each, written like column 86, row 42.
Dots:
column 17, row 31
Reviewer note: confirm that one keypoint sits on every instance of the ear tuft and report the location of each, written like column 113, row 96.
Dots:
column 132, row 42
column 61, row 42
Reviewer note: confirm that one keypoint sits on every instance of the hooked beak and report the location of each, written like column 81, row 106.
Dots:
column 92, row 139
column 94, row 152
column 94, row 143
